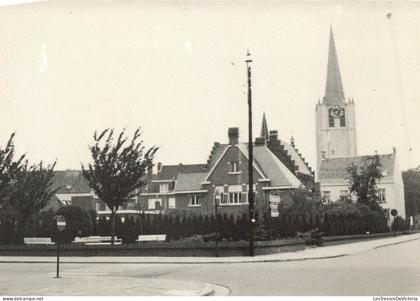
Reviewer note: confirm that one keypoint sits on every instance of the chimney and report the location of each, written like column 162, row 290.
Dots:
column 292, row 141
column 233, row 134
column 323, row 153
column 260, row 141
column 394, row 150
column 150, row 172
column 274, row 135
column 159, row 167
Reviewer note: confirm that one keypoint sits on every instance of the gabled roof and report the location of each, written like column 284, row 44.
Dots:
column 334, row 170
column 170, row 172
column 300, row 163
column 265, row 162
column 189, row 181
column 70, row 181
column 244, row 150
column 274, row 169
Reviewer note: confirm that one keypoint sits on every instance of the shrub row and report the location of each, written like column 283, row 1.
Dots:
column 82, row 223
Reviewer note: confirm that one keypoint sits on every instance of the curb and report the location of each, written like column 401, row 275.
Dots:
column 53, row 260
column 180, row 262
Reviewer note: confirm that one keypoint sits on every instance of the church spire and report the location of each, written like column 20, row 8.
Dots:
column 334, row 93
column 264, row 129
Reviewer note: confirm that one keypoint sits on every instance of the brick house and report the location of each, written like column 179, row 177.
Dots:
column 278, row 169
column 74, row 189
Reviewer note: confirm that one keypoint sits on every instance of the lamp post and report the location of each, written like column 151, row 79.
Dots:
column 250, row 159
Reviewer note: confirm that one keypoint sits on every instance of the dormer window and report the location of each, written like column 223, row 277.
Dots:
column 234, row 167
column 164, row 187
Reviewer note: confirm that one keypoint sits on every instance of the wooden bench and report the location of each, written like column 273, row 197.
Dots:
column 38, row 241
column 97, row 240
column 152, row 237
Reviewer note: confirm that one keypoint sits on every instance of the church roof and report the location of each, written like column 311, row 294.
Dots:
column 264, row 128
column 334, row 170
column 334, row 93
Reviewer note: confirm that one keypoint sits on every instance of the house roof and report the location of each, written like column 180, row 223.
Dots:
column 171, row 172
column 271, row 166
column 189, row 181
column 335, row 169
column 70, row 181
column 300, row 163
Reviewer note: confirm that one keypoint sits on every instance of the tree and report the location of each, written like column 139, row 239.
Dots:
column 8, row 169
column 363, row 182
column 411, row 179
column 31, row 190
column 118, row 169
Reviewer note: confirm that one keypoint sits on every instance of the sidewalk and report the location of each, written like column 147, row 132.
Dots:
column 307, row 254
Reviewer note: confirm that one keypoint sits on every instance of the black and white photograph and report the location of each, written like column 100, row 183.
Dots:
column 209, row 148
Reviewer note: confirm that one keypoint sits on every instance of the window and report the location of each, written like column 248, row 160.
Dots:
column 234, row 195
column 342, row 119
column 326, row 195
column 235, row 198
column 234, row 167
column 381, row 194
column 164, row 187
column 171, row 203
column 154, row 203
column 330, row 121
column 194, row 200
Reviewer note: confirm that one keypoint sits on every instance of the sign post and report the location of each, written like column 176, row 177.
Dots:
column 274, row 205
column 61, row 225
column 216, row 230
column 394, row 213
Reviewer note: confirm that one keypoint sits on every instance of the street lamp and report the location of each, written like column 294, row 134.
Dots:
column 250, row 159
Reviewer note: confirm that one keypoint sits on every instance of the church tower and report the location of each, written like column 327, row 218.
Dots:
column 335, row 117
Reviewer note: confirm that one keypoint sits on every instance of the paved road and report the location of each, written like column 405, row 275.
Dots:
column 390, row 270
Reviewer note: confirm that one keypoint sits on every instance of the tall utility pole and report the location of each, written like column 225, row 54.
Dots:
column 250, row 159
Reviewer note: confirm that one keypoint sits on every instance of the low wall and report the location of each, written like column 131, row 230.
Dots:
column 172, row 249
column 340, row 239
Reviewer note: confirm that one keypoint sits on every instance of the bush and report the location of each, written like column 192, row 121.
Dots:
column 313, row 237
column 399, row 224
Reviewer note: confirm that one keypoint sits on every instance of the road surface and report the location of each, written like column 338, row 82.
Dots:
column 389, row 270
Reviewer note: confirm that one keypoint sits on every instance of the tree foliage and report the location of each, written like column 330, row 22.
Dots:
column 363, row 181
column 118, row 168
column 32, row 189
column 411, row 179
column 24, row 189
column 8, row 173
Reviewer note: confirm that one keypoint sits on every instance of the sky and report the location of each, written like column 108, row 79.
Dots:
column 177, row 70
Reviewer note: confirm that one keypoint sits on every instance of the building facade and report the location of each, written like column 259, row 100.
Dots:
column 337, row 144
column 278, row 169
